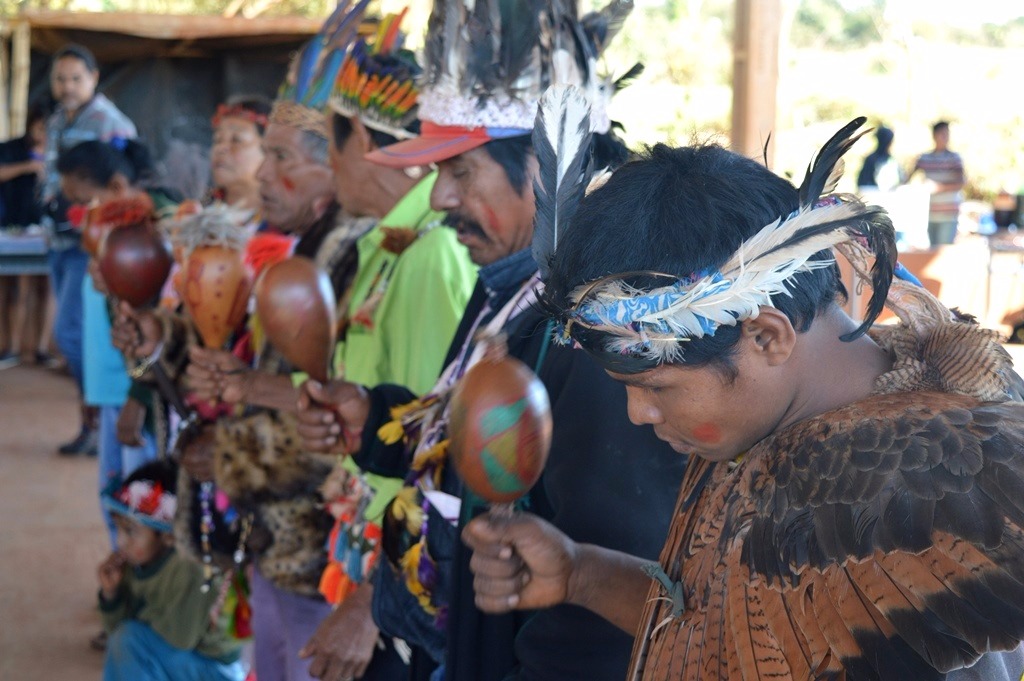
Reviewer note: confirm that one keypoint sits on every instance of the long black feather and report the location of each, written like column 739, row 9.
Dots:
column 873, row 226
column 483, row 31
column 876, row 227
column 820, row 168
column 626, row 79
column 519, row 29
column 562, row 142
column 434, row 48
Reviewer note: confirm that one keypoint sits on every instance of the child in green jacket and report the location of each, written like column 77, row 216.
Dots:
column 162, row 622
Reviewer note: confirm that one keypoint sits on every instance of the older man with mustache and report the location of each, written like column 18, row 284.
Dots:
column 479, row 138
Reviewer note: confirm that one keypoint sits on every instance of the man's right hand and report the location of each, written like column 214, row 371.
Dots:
column 520, row 563
column 343, row 645
column 136, row 333
column 331, row 417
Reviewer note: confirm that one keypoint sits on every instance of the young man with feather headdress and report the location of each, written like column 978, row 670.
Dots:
column 477, row 109
column 852, row 505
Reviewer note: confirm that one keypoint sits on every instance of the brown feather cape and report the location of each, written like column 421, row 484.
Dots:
column 882, row 540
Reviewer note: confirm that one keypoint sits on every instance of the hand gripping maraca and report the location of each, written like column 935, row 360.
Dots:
column 500, row 428
column 213, row 281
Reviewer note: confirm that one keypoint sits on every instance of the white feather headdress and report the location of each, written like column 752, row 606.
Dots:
column 487, row 62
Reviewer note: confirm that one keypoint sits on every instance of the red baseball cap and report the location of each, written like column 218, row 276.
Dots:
column 437, row 143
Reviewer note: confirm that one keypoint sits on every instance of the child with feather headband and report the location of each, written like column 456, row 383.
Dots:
column 848, row 510
column 487, row 64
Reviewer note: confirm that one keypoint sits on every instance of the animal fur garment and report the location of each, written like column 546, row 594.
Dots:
column 260, row 465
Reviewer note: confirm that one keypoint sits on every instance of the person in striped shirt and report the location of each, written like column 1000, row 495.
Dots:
column 944, row 171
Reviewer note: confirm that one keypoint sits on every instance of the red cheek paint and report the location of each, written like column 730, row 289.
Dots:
column 287, row 183
column 492, row 220
column 708, row 433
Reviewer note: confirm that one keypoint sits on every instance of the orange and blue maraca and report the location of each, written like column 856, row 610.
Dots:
column 500, row 428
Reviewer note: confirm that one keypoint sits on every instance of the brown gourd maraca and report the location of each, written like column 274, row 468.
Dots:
column 135, row 262
column 214, row 286
column 296, row 306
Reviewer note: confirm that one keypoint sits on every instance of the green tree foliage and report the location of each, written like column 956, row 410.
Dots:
column 828, row 23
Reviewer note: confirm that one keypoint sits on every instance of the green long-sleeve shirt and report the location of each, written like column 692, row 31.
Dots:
column 404, row 309
column 167, row 596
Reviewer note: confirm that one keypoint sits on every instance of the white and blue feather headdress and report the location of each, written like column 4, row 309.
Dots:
column 651, row 315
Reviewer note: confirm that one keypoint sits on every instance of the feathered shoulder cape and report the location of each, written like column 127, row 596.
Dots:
column 882, row 540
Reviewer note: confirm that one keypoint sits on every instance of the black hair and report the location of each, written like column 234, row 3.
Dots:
column 512, row 154
column 79, row 52
column 162, row 471
column 940, row 125
column 97, row 162
column 38, row 111
column 257, row 104
column 342, row 128
column 609, row 150
column 681, row 211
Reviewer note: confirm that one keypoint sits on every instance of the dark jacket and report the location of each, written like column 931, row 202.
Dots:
column 606, row 482
column 19, row 196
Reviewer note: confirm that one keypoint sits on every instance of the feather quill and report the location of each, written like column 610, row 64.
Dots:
column 602, row 26
column 820, row 170
column 347, row 24
column 561, row 140
column 626, row 79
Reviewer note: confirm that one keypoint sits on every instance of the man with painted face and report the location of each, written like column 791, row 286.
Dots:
column 477, row 130
column 410, row 291
column 845, row 511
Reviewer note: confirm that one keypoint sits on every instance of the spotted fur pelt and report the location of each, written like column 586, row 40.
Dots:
column 260, row 465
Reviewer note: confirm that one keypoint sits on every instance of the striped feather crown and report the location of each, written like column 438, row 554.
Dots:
column 652, row 322
column 377, row 82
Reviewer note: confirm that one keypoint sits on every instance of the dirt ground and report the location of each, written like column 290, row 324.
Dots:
column 51, row 536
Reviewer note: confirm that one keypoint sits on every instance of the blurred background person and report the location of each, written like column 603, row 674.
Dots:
column 82, row 115
column 100, row 172
column 881, row 170
column 236, row 155
column 944, row 173
column 23, row 298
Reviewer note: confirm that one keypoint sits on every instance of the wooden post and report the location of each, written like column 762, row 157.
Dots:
column 20, row 71
column 755, row 75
